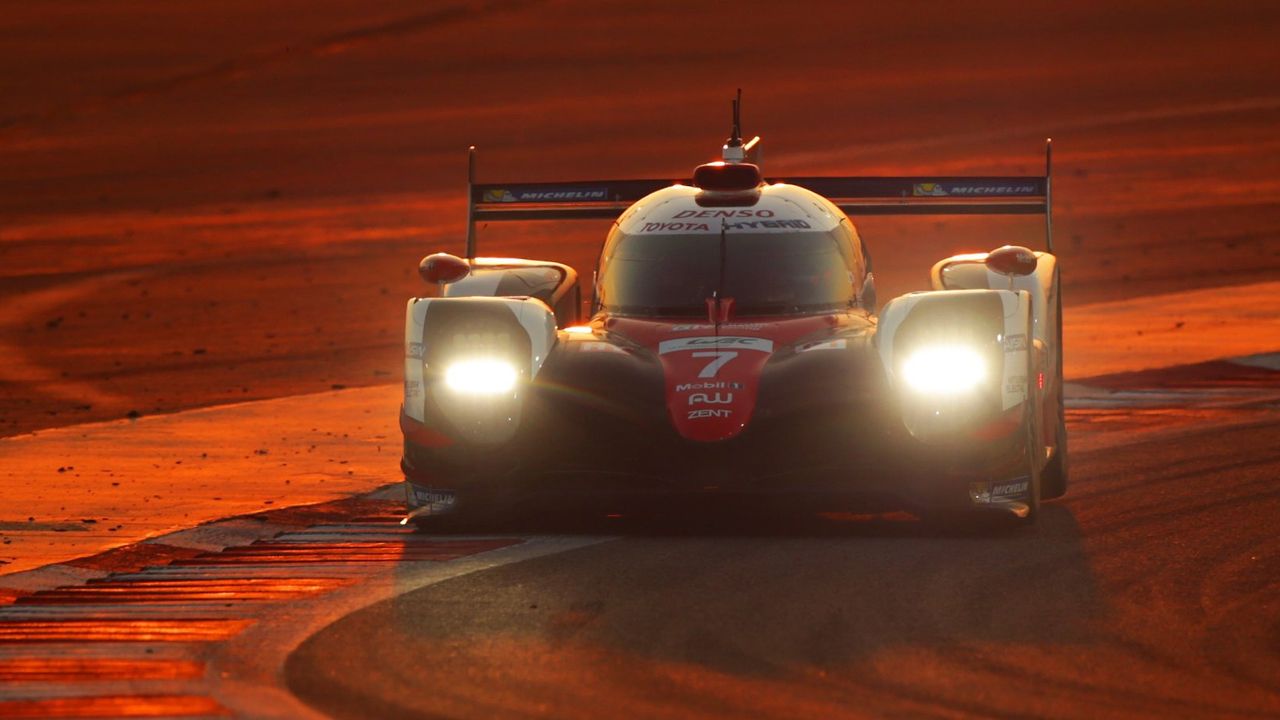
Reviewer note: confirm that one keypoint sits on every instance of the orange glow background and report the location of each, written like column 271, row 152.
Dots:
column 209, row 202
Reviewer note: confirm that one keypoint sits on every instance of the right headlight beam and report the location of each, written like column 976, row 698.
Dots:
column 481, row 376
column 944, row 370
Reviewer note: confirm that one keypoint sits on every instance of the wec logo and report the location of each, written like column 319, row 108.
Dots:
column 728, row 342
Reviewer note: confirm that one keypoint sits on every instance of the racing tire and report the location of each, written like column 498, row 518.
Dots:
column 1054, row 480
column 1033, row 452
column 1035, row 485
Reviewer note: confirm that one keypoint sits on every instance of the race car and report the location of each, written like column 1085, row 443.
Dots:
column 732, row 346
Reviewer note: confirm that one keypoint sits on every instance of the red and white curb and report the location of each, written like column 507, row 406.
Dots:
column 199, row 623
column 1253, row 380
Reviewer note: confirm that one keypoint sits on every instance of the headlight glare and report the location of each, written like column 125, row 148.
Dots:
column 944, row 370
column 481, row 377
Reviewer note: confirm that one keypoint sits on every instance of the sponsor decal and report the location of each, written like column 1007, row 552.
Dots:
column 412, row 388
column 708, row 326
column 1011, row 488
column 727, row 342
column 972, row 189
column 712, row 385
column 717, row 413
column 928, row 190
column 723, row 214
column 1016, row 384
column 534, row 194
column 435, row 498
column 980, row 190
column 651, row 227
column 823, row 345
column 416, row 350
column 771, row 224
column 675, row 227
column 709, row 399
column 1015, row 343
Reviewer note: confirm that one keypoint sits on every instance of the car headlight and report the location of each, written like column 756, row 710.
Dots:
column 481, row 377
column 944, row 370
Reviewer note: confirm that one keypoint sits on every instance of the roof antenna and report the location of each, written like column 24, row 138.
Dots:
column 732, row 151
column 471, row 203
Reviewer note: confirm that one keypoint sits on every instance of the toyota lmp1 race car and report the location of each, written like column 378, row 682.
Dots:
column 732, row 347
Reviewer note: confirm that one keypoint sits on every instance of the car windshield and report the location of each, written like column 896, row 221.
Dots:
column 764, row 273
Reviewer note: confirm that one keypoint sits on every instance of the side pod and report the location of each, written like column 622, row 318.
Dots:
column 469, row 360
column 959, row 361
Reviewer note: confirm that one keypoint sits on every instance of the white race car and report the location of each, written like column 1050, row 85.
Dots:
column 733, row 346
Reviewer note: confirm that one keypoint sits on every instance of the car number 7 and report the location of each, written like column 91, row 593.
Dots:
column 721, row 358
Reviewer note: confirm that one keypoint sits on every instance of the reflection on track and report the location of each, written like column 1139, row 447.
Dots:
column 132, row 644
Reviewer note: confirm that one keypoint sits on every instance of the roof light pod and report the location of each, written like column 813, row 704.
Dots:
column 727, row 184
column 727, row 177
column 1012, row 260
column 443, row 268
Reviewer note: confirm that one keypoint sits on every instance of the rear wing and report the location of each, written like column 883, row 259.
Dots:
column 915, row 195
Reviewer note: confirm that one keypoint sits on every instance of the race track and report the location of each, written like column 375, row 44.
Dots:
column 1151, row 591
column 211, row 219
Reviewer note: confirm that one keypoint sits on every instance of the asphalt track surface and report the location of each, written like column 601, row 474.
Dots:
column 1149, row 591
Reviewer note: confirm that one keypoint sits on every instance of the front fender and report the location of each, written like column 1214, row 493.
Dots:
column 997, row 324
column 438, row 331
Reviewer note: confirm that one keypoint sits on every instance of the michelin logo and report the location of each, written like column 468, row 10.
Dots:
column 965, row 189
column 994, row 190
column 583, row 194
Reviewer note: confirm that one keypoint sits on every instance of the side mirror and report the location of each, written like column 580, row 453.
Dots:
column 1012, row 260
column 443, row 268
column 867, row 295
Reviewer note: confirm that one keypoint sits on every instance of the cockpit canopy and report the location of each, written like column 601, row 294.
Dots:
column 773, row 274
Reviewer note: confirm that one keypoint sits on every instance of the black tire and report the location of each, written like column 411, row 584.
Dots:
column 1033, row 459
column 1054, row 481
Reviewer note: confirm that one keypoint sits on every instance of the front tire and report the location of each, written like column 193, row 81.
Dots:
column 1055, row 472
column 1054, row 479
column 1034, row 453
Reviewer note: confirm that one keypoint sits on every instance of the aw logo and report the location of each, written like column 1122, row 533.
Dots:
column 498, row 196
